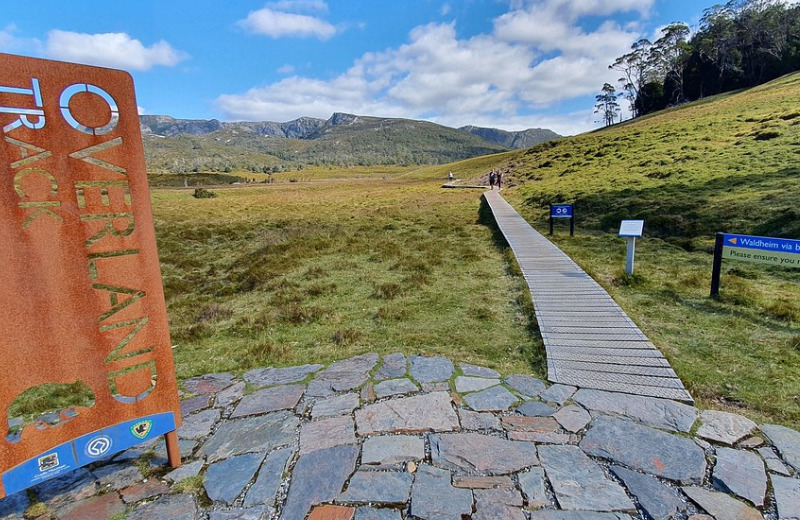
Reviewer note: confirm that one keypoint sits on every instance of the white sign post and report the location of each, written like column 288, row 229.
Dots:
column 631, row 229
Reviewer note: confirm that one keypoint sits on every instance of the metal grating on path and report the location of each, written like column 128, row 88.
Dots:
column 590, row 341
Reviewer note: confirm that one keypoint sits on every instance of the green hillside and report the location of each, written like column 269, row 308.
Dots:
column 729, row 163
column 724, row 164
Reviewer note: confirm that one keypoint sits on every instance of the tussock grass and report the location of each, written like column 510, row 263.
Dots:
column 293, row 273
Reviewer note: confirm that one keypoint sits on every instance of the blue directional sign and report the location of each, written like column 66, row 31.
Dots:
column 780, row 252
column 561, row 211
column 778, row 245
column 85, row 450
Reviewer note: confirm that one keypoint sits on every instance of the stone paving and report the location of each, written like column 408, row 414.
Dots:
column 439, row 441
column 590, row 341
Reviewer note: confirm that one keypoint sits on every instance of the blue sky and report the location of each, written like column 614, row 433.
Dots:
column 509, row 64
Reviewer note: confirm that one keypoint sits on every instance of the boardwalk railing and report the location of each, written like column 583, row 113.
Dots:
column 590, row 341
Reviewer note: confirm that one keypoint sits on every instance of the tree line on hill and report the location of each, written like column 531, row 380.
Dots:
column 739, row 44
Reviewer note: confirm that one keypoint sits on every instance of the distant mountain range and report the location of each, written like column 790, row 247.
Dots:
column 185, row 145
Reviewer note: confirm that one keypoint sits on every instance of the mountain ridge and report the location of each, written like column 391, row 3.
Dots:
column 193, row 145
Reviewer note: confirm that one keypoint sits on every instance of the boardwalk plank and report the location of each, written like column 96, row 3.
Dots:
column 589, row 340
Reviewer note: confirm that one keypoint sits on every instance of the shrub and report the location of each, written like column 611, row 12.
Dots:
column 202, row 193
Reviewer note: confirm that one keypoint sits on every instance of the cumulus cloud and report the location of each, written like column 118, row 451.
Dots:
column 283, row 19
column 116, row 50
column 538, row 54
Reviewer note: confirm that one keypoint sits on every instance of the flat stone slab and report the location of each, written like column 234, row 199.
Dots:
column 557, row 394
column 253, row 434
column 416, row 414
column 392, row 449
column 646, row 449
column 741, row 473
column 724, row 427
column 579, row 483
column 657, row 500
column 371, row 513
column 572, row 418
column 225, row 480
column 478, row 371
column 469, row 482
column 787, row 496
column 533, row 485
column 659, row 413
column 317, row 478
column 194, row 404
column 431, row 369
column 279, row 376
column 720, row 505
column 199, row 425
column 175, row 507
column 496, row 398
column 378, row 487
column 786, row 441
column 269, row 400
column 549, row 514
column 466, row 384
column 326, row 433
column 342, row 376
column 526, row 385
column 392, row 387
column 209, row 383
column 474, row 453
column 265, row 488
column 251, row 513
column 492, row 504
column 774, row 463
column 536, row 409
column 393, row 367
column 185, row 471
column 529, row 424
column 333, row 406
column 478, row 420
column 230, row 395
column 434, row 498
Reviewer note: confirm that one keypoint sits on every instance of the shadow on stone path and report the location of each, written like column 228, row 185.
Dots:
column 420, row 438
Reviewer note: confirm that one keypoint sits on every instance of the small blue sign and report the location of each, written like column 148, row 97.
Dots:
column 85, row 450
column 561, row 211
column 777, row 245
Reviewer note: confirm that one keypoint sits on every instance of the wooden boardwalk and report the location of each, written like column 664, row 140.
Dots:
column 590, row 341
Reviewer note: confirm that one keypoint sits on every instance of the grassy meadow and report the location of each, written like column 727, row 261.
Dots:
column 726, row 164
column 294, row 273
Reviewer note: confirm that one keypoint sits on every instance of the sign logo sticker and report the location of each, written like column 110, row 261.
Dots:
column 98, row 446
column 141, row 429
column 47, row 462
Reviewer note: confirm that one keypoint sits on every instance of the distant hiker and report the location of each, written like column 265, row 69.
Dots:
column 499, row 180
column 451, row 176
column 491, row 180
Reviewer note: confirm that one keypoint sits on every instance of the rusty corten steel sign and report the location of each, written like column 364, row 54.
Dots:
column 80, row 287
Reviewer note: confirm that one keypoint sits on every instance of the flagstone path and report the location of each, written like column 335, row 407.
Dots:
column 589, row 339
column 425, row 438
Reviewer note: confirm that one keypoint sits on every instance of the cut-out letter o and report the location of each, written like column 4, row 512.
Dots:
column 66, row 96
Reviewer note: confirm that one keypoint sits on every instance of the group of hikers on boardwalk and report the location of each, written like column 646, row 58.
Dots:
column 495, row 177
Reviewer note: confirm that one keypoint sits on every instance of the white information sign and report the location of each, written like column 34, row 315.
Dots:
column 631, row 228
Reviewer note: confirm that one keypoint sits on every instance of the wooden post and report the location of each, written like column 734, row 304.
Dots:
column 173, row 449
column 717, row 266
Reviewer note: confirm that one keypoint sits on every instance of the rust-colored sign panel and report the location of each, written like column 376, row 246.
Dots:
column 81, row 299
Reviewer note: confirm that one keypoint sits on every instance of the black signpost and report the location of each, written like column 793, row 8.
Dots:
column 563, row 211
column 777, row 252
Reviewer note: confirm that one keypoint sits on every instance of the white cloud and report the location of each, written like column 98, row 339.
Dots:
column 286, row 69
column 116, row 50
column 277, row 21
column 539, row 54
